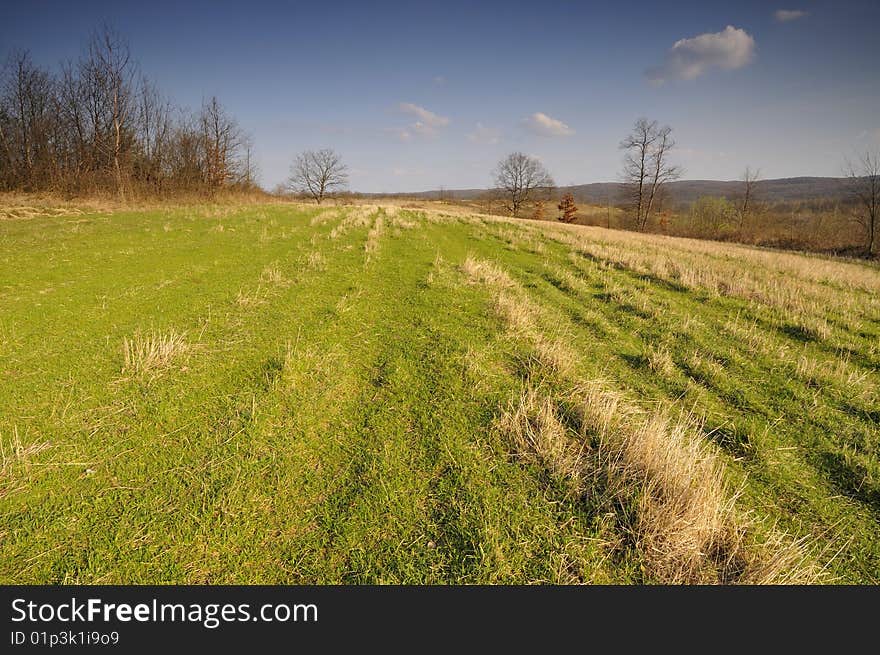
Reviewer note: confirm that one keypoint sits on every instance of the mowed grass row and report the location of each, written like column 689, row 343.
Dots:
column 280, row 394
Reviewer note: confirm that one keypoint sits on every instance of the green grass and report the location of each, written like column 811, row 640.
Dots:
column 334, row 417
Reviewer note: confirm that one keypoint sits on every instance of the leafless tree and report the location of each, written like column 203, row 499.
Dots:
column 112, row 73
column 749, row 179
column 154, row 132
column 222, row 141
column 646, row 166
column 318, row 173
column 519, row 177
column 863, row 177
column 26, row 121
column 250, row 171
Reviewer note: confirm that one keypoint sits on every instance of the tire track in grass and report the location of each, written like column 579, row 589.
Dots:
column 413, row 497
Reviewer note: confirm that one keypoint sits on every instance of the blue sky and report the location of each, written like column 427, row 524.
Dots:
column 418, row 95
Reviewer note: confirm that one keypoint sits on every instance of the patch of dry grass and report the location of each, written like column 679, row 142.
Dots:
column 539, row 437
column 15, row 455
column 272, row 275
column 152, row 352
column 316, row 261
column 373, row 236
column 659, row 475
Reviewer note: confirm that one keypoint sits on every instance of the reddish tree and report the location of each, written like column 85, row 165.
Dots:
column 567, row 208
column 539, row 211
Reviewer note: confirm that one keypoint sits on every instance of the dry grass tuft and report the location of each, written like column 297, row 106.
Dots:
column 686, row 525
column 539, row 437
column 324, row 216
column 272, row 275
column 316, row 261
column 373, row 236
column 483, row 272
column 13, row 455
column 660, row 360
column 152, row 351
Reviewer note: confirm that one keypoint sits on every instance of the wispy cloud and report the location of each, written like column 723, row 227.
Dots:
column 543, row 125
column 425, row 116
column 484, row 135
column 788, row 15
column 427, row 123
column 439, row 80
column 689, row 58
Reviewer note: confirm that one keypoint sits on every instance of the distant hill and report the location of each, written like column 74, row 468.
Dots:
column 786, row 189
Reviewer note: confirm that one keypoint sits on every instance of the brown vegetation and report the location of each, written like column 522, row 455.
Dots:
column 567, row 209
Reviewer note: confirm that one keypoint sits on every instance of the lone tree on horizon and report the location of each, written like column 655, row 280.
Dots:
column 646, row 167
column 749, row 179
column 318, row 174
column 567, row 209
column 518, row 177
column 864, row 185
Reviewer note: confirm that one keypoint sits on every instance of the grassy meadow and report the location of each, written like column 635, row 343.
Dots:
column 290, row 394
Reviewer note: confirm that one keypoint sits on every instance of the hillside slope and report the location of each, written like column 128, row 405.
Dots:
column 285, row 394
column 788, row 189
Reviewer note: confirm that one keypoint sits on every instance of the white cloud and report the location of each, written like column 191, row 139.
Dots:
column 689, row 58
column 485, row 135
column 788, row 15
column 426, row 125
column 439, row 80
column 428, row 118
column 543, row 125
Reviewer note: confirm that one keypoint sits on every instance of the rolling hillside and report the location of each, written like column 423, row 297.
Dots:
column 686, row 191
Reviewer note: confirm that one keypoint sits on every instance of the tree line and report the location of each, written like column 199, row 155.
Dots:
column 100, row 125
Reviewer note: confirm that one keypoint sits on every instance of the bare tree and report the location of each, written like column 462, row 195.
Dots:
column 222, row 142
column 749, row 179
column 318, row 173
column 153, row 131
column 864, row 183
column 250, row 171
column 113, row 71
column 519, row 177
column 646, row 166
column 26, row 122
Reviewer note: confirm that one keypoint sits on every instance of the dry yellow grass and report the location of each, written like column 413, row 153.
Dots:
column 324, row 216
column 686, row 525
column 316, row 261
column 659, row 360
column 805, row 288
column 358, row 216
column 540, row 437
column 152, row 351
column 15, row 455
column 373, row 237
column 273, row 275
column 683, row 518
